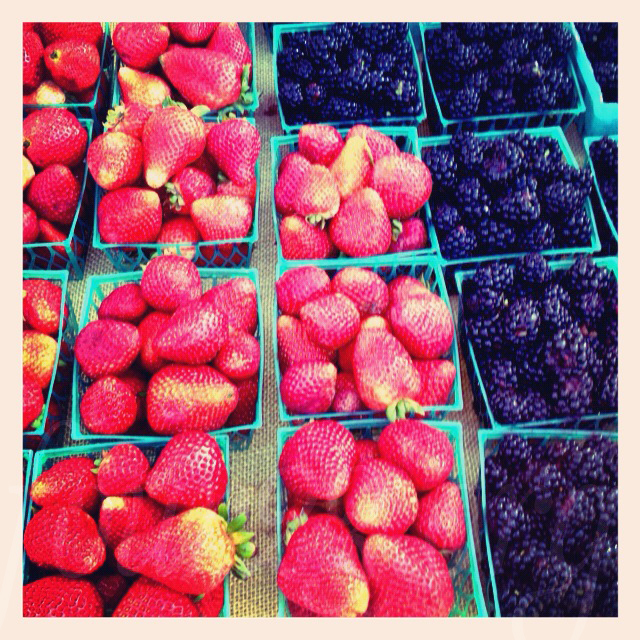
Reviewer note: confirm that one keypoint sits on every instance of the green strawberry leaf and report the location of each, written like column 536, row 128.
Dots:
column 223, row 512
column 200, row 110
column 237, row 523
column 246, row 550
column 198, row 598
column 39, row 421
column 240, row 568
column 396, row 228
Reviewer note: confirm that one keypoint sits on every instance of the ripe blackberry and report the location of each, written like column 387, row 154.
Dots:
column 609, row 191
column 485, row 302
column 567, row 351
column 338, row 108
column 460, row 103
column 559, row 82
column 296, row 40
column 559, row 38
column 552, row 578
column 292, row 98
column 384, row 61
column 543, row 54
column 504, row 76
column 358, row 56
column 539, row 97
column 607, row 393
column 531, row 366
column 470, row 31
column 532, row 272
column 378, row 35
column 518, row 602
column 545, row 158
column 442, row 165
column 560, row 198
column 495, row 236
column 506, row 520
column 545, row 483
column 605, row 498
column 500, row 374
column 498, row 100
column 604, row 154
column 507, row 406
column 498, row 32
column 445, row 217
column 470, row 195
column 606, row 74
column 575, row 512
column 576, row 229
column 515, row 452
column 485, row 333
column 502, row 161
column 319, row 48
column 607, row 600
column 520, row 206
column 514, row 49
column 588, row 308
column 534, row 32
column 605, row 557
column 478, row 79
column 463, row 57
column 521, row 321
column 315, row 95
column 496, row 476
column 571, row 394
column 524, row 553
column 534, row 407
column 341, row 36
column 584, row 275
column 579, row 599
column 292, row 63
column 554, row 305
column 459, row 243
column 537, row 237
column 496, row 275
column 354, row 82
column 401, row 96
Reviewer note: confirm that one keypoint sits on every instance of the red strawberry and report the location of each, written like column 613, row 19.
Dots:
column 53, row 136
column 317, row 460
column 346, row 399
column 295, row 346
column 352, row 168
column 129, row 215
column 32, row 401
column 380, row 144
column 122, row 470
column 321, row 571
column 148, row 599
column 74, row 65
column 129, row 119
column 123, row 303
column 361, row 227
column 140, row 44
column 141, row 88
column 172, row 138
column 294, row 517
column 184, row 398
column 30, row 228
column 381, row 498
column 210, row 605
column 403, row 182
column 41, row 300
column 290, row 174
column 296, row 611
column 32, row 68
column 179, row 230
column 192, row 32
column 111, row 588
column 84, row 31
column 345, row 356
column 317, row 196
column 149, row 328
column 54, row 194
column 61, row 597
column 115, row 160
column 64, row 538
column 407, row 577
column 188, row 185
column 412, row 237
column 49, row 233
column 222, row 217
column 228, row 38
column 437, row 378
column 108, row 406
column 106, row 347
column 441, row 518
column 423, row 452
column 190, row 472
column 234, row 145
column 239, row 356
column 69, row 482
column 366, row 289
column 303, row 241
column 245, row 411
column 366, row 450
column 239, row 298
column 38, row 357
column 309, row 387
column 46, row 93
column 247, row 191
column 404, row 287
column 331, row 320
column 137, row 381
column 296, row 287
column 320, row 143
column 169, row 282
column 122, row 516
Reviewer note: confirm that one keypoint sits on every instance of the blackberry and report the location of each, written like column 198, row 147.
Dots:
column 298, row 40
column 341, row 36
column 608, row 47
column 319, row 48
column 442, row 165
column 498, row 100
column 608, row 449
column 540, row 97
column 292, row 63
column 545, row 158
column 576, row 229
column 500, row 374
column 518, row 602
column 555, row 293
column 463, row 57
column 537, row 237
column 384, row 61
column 604, row 153
column 338, row 108
column 532, row 272
column 502, row 161
column 378, row 35
column 315, row 95
column 554, row 305
column 574, row 511
column 514, row 49
column 534, row 32
column 483, row 51
column 571, row 394
column 401, row 96
column 606, row 74
column 609, row 332
column 589, row 308
column 470, row 195
column 531, row 366
column 560, row 198
column 559, row 38
column 545, row 483
column 504, row 76
column 522, row 321
column 543, row 54
column 459, row 243
column 496, row 275
column 520, row 206
column 515, row 452
column 579, row 178
column 495, row 475
column 524, row 553
column 579, row 599
column 359, row 57
column 507, row 406
column 605, row 499
column 567, row 351
column 445, row 217
column 485, row 333
column 584, row 275
column 495, row 236
column 460, row 103
column 609, row 191
column 506, row 520
column 354, row 82
column 290, row 94
column 486, row 302
column 607, row 394
column 534, row 407
column 559, row 82
column 477, row 79
column 471, row 31
column 605, row 556
column 552, row 578
column 497, row 32
column 607, row 601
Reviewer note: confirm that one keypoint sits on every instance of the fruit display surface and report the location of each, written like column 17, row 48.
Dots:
column 602, row 155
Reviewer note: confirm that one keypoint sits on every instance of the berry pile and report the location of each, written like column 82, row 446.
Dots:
column 552, row 513
column 600, row 41
column 163, row 354
column 353, row 343
column 604, row 155
column 350, row 506
column 546, row 341
column 513, row 193
column 350, row 71
column 93, row 512
column 500, row 68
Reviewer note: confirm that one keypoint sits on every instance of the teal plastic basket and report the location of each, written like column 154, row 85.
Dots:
column 600, row 118
column 387, row 269
column 488, row 441
column 407, row 140
column 72, row 252
column 279, row 29
column 27, row 463
column 59, row 387
column 98, row 287
column 463, row 566
column 465, row 263
column 600, row 421
column 44, row 460
column 519, row 120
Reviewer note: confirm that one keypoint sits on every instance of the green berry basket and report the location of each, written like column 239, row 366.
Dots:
column 407, row 140
column 98, row 287
column 488, row 441
column 151, row 448
column 27, row 463
column 388, row 268
column 598, row 422
column 463, row 567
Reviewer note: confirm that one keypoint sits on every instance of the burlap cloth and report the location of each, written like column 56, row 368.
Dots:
column 253, row 472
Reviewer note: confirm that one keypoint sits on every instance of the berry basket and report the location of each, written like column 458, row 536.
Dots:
column 407, row 140
column 72, row 252
column 387, row 268
column 98, row 287
column 218, row 253
column 488, row 442
column 441, row 125
column 27, row 463
column 463, row 567
column 280, row 29
column 59, row 387
column 600, row 118
column 599, row 422
column 151, row 448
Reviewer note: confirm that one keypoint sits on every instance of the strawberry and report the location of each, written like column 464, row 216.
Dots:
column 41, row 301
column 61, row 597
column 115, row 160
column 346, row 399
column 74, row 65
column 366, row 289
column 108, row 406
column 380, row 144
column 321, row 571
column 129, row 215
column 437, row 378
column 194, row 334
column 210, row 605
column 38, row 357
column 106, row 347
column 441, row 518
column 140, row 44
column 239, row 298
column 222, row 217
column 53, row 136
column 54, row 194
column 188, row 185
column 192, row 32
column 50, row 234
column 361, row 227
column 404, row 287
column 27, row 172
column 296, row 287
column 32, row 401
column 190, row 472
column 65, row 538
column 317, row 460
column 247, row 191
column 295, row 346
column 407, row 577
column 173, row 137
column 46, row 93
column 179, row 230
column 366, row 450
column 317, row 196
column 331, row 320
column 84, row 31
column 69, row 482
column 234, row 145
column 352, row 168
column 345, row 356
column 122, row 516
column 227, row 38
column 129, row 119
column 308, row 387
column 290, row 174
column 203, row 77
column 239, row 356
column 124, row 303
column 188, row 398
column 320, row 143
column 149, row 328
column 147, row 599
column 142, row 88
column 169, row 282
column 423, row 452
column 123, row 469
column 303, row 241
column 412, row 237
column 111, row 588
column 32, row 67
column 294, row 517
column 403, row 182
column 245, row 411
column 30, row 228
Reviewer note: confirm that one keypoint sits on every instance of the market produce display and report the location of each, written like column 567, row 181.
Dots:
column 600, row 41
column 604, row 156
